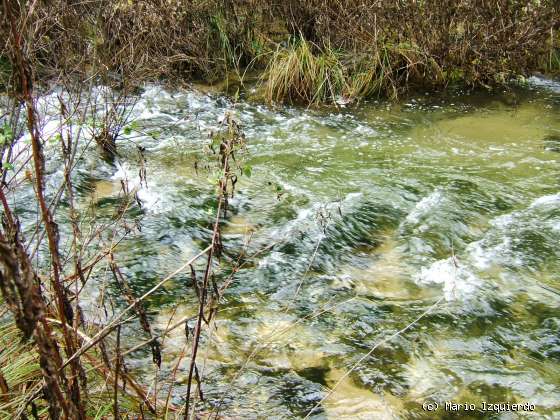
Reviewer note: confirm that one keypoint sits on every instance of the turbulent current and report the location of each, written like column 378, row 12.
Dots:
column 441, row 205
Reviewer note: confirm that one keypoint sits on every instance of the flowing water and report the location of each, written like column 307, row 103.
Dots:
column 442, row 205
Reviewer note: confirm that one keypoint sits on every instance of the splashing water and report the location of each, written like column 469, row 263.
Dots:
column 451, row 195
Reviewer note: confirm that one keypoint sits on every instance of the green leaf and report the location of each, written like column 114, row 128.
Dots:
column 127, row 130
column 7, row 130
column 6, row 134
column 55, row 138
column 247, row 171
column 8, row 166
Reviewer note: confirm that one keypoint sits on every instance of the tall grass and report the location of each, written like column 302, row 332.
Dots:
column 20, row 367
column 297, row 73
column 553, row 60
column 384, row 48
column 304, row 72
column 553, row 64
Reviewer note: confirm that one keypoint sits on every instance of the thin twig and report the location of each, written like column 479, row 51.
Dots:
column 112, row 324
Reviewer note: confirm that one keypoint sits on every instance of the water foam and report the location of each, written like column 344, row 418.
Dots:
column 424, row 206
column 553, row 199
column 150, row 200
column 458, row 282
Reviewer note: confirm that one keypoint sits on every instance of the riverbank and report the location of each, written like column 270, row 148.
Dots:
column 308, row 52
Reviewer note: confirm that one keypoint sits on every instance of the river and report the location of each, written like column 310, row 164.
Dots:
column 439, row 210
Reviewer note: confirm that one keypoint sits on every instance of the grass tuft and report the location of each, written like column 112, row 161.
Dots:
column 302, row 72
column 19, row 367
